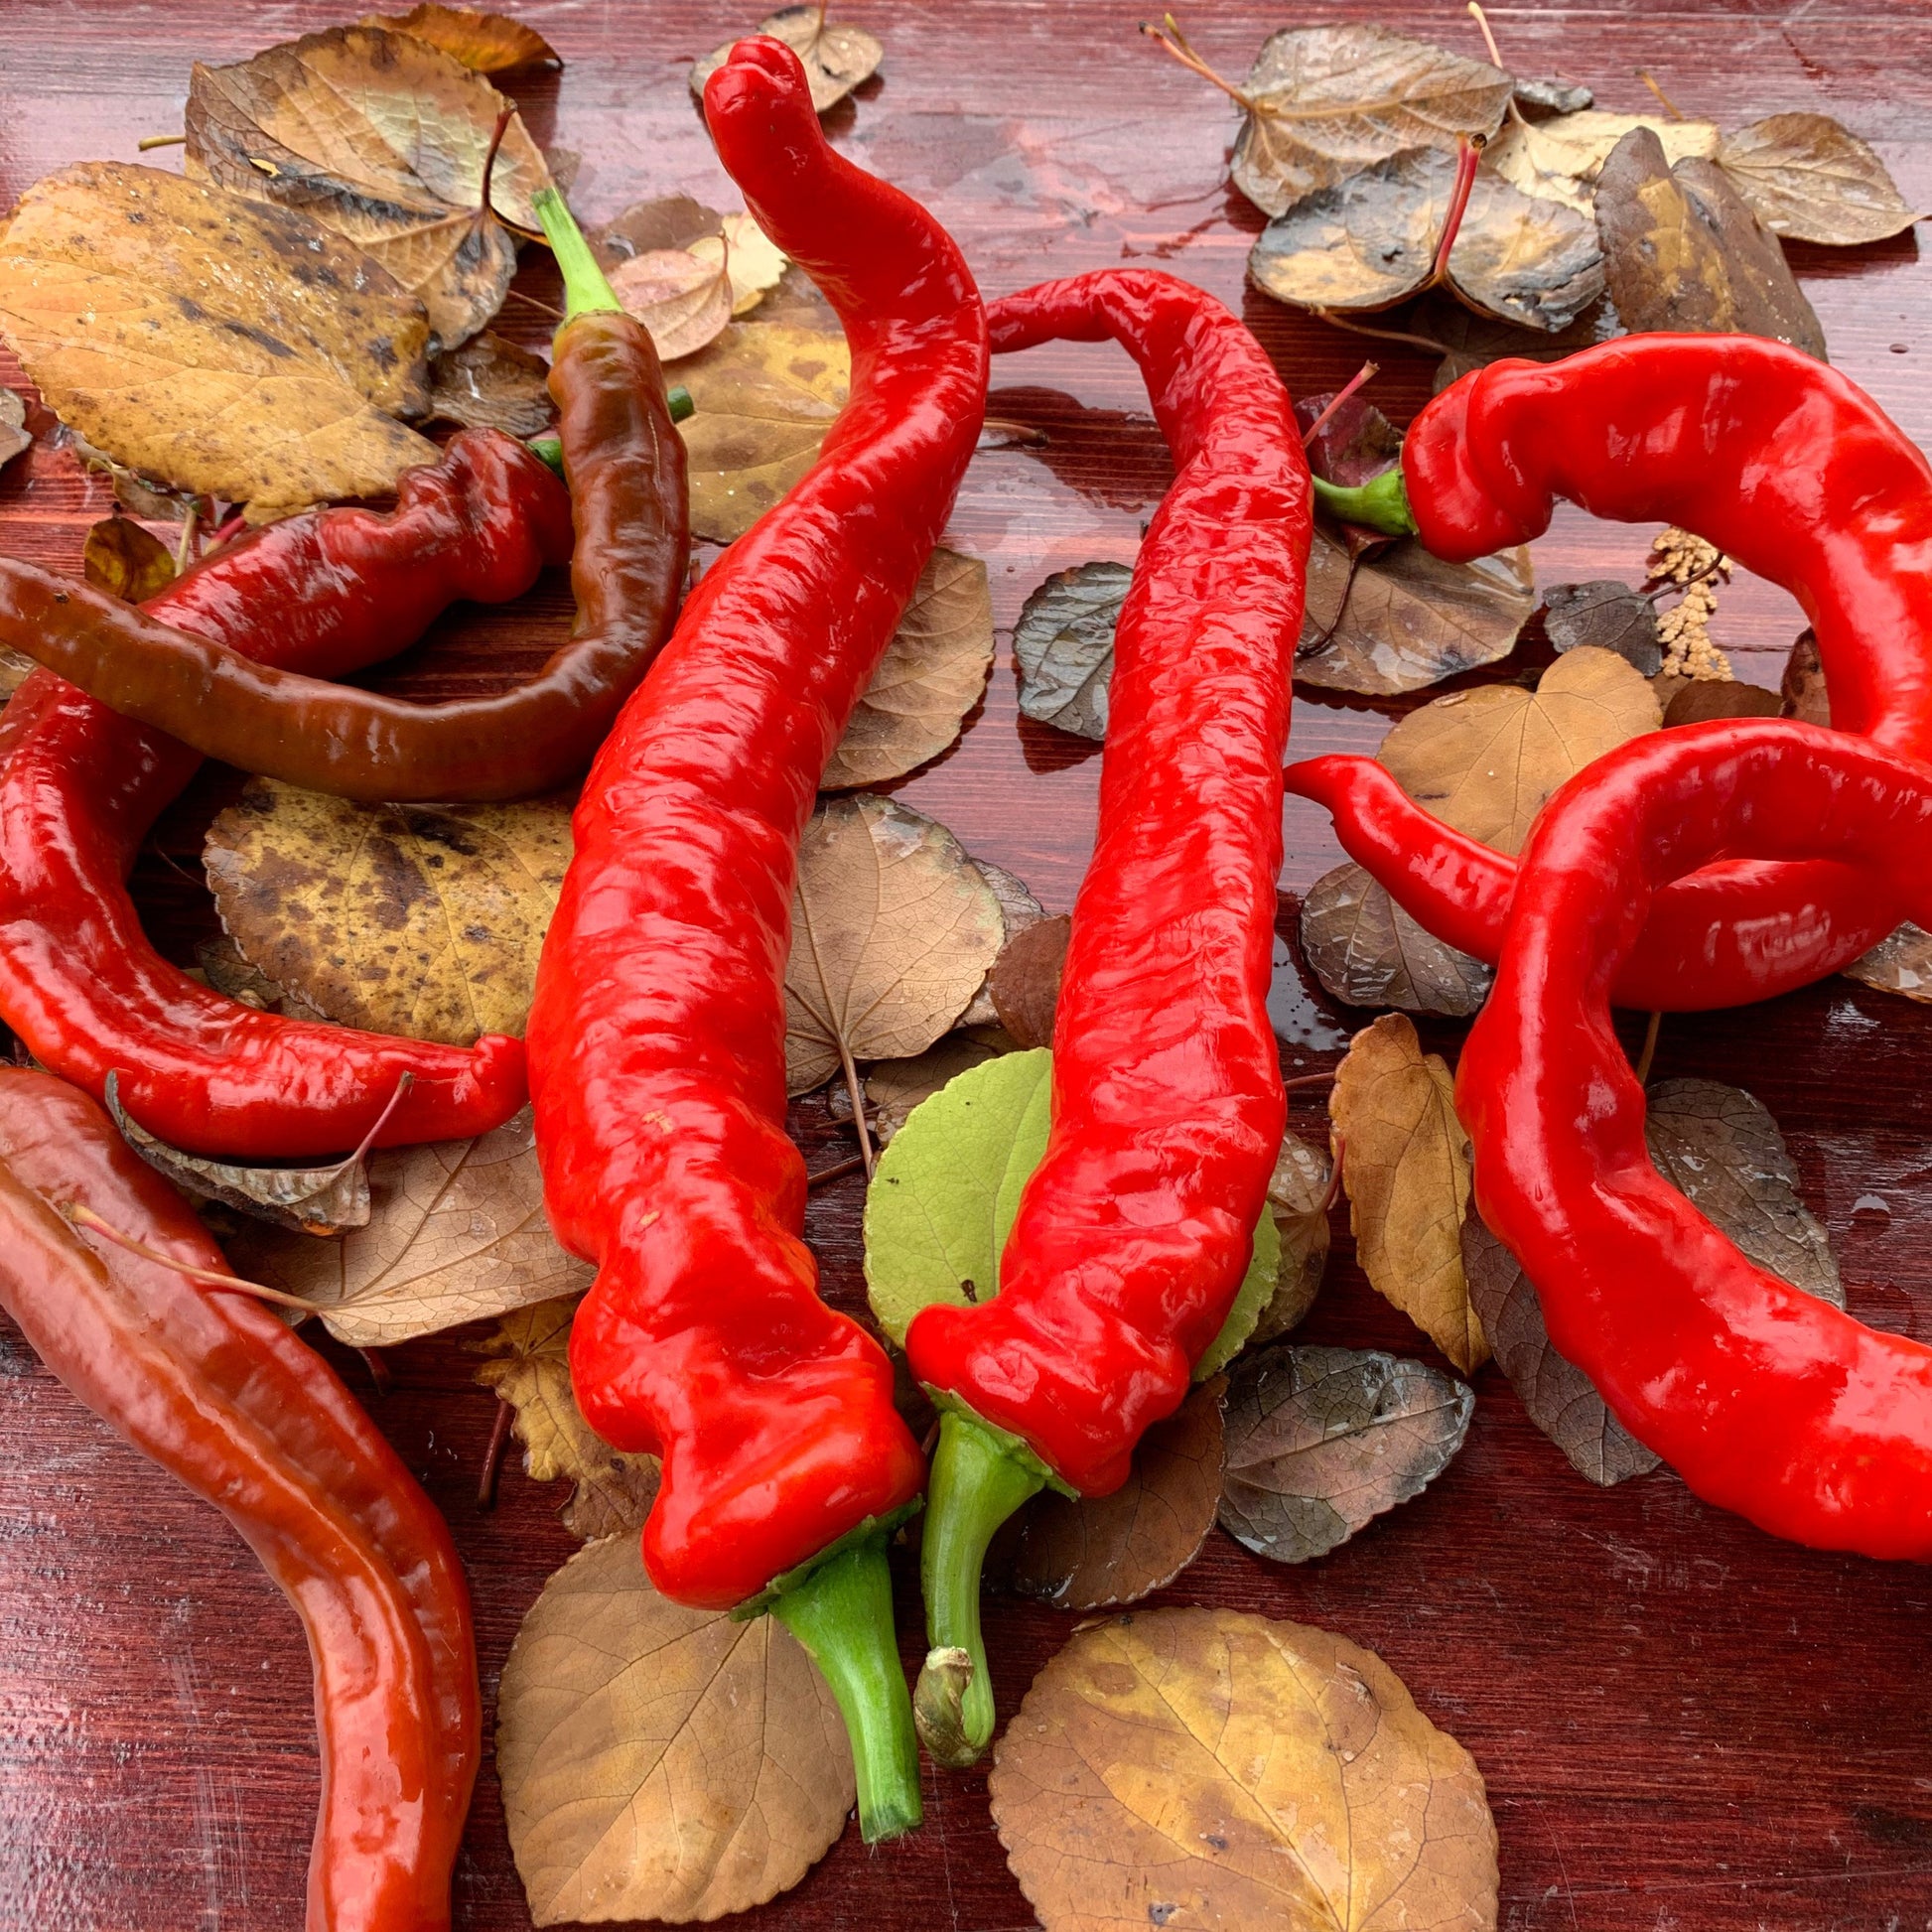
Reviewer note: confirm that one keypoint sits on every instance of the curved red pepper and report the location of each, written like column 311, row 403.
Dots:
column 1134, row 1232
column 1784, row 465
column 1764, row 1399
column 81, row 787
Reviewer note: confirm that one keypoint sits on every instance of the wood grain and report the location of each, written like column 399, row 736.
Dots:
column 1685, row 1726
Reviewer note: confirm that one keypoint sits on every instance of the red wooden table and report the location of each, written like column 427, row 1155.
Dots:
column 1685, row 1726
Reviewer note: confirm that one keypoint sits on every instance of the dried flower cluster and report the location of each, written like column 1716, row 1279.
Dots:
column 1679, row 558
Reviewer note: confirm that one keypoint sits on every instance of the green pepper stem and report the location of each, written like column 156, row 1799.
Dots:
column 977, row 1482
column 1381, row 504
column 550, row 449
column 843, row 1614
column 585, row 292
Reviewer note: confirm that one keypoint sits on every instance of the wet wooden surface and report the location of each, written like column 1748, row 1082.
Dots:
column 1685, row 1726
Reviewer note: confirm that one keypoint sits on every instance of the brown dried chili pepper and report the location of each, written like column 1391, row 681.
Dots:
column 626, row 466
column 81, row 787
column 226, row 1396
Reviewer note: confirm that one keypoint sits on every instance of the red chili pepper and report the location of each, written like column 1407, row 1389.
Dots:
column 223, row 1396
column 1136, row 1229
column 658, row 1036
column 1784, row 465
column 81, row 787
column 1763, row 1398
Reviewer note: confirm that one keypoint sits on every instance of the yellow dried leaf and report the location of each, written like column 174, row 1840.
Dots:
column 126, row 561
column 1204, row 1767
column 1405, row 1167
column 423, row 920
column 1485, row 761
column 660, row 1762
column 682, row 300
column 1558, row 160
column 753, row 260
column 483, row 43
column 836, row 57
column 223, row 347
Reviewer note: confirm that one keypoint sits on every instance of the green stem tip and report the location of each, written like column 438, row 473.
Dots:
column 842, row 1612
column 585, row 291
column 550, row 449
column 977, row 1482
column 1381, row 504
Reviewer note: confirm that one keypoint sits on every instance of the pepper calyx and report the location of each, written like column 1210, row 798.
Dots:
column 1381, row 504
column 787, row 1581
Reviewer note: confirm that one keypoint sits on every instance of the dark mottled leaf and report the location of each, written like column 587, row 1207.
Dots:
column 1537, row 97
column 1355, row 442
column 491, row 383
column 1704, row 698
column 1607, row 615
column 1026, row 980
column 1368, row 952
column 1469, row 340
column 1018, row 910
column 1064, row 644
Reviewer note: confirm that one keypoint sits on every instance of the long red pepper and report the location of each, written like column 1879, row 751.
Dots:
column 223, row 1396
column 1133, row 1234
column 81, row 787
column 658, row 1035
column 1784, row 465
column 1764, row 1399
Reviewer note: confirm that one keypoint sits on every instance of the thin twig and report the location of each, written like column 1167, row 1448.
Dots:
column 86, row 1217
column 1649, row 1052
column 1340, row 321
column 149, row 142
column 185, row 550
column 852, row 1088
column 544, row 308
column 1309, row 1080
column 490, row 165
column 1334, row 1178
column 1325, row 638
column 1366, row 373
column 836, row 1171
column 379, row 1370
column 1670, row 106
column 1174, row 43
column 499, row 1440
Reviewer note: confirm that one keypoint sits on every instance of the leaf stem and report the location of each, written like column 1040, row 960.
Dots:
column 836, row 1171
column 85, row 1218
column 854, row 1088
column 1670, row 106
column 1469, row 153
column 499, row 1436
column 149, row 142
column 1366, row 373
column 585, row 291
column 1649, row 1052
column 1169, row 38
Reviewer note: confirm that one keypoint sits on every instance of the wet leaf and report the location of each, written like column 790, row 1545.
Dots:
column 764, row 394
column 1683, row 251
column 423, row 920
column 1405, row 1167
column 933, row 674
column 215, row 344
column 304, row 1200
column 1087, row 1553
column 895, row 1087
column 15, row 669
column 1371, row 242
column 125, row 561
column 660, row 1762
column 644, row 227
column 1322, row 1440
column 754, row 262
column 1560, row 160
column 1704, row 698
column 484, row 43
column 455, row 1233
column 1355, row 442
column 683, row 302
column 892, row 929
column 222, row 966
column 1803, row 683
column 1484, row 761
column 1470, row 340
column 1019, row 909
column 1204, row 1767
column 836, row 57
column 529, row 1366
column 1026, row 980
column 1807, row 177
column 1297, row 1198
column 134, row 495
column 1402, row 619
column 1064, row 647
column 1368, row 952
column 15, row 436
column 1537, row 97
column 491, row 383
column 1901, row 962
column 1329, row 102
column 1606, row 616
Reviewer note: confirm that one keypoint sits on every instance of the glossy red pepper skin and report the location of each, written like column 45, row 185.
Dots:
column 223, row 1396
column 1766, row 1399
column 657, row 1034
column 81, row 787
column 1133, row 1234
column 1785, row 466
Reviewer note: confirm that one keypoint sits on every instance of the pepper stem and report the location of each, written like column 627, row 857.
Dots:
column 1381, row 504
column 977, row 1482
column 843, row 1614
column 585, row 292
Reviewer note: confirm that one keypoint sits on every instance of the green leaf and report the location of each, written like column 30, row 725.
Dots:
column 947, row 1189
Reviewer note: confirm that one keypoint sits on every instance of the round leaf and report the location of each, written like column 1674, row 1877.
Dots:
column 1368, row 952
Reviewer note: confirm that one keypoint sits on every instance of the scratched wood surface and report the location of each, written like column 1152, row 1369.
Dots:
column 1685, row 1726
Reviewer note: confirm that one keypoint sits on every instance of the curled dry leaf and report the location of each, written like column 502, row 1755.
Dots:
column 754, row 262
column 660, row 1762
column 1684, row 251
column 455, row 1233
column 382, row 137
column 1019, row 909
column 15, row 436
column 895, row 1087
column 1901, row 962
column 1537, row 97
column 1326, row 102
column 1402, row 620
column 423, row 920
column 836, row 57
column 764, row 393
column 126, row 561
column 1405, row 1165
column 1064, row 644
column 1607, row 615
column 1803, row 683
column 491, row 383
column 684, row 302
column 1485, row 761
column 1297, row 1198
column 219, row 345
column 484, row 43
column 932, row 676
column 1087, row 1553
column 1368, row 952
column 892, row 929
column 1026, row 980
column 1206, row 1768
column 1560, row 160
column 1808, row 176
column 1322, row 1440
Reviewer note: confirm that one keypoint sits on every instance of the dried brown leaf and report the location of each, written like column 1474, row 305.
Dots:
column 1204, row 1767
column 221, row 963
column 1368, row 952
column 491, row 383
column 895, row 1087
column 836, row 57
column 15, row 436
column 423, row 920
column 1297, row 1198
column 1064, row 644
column 1405, row 1167
column 1901, row 962
column 933, row 674
column 682, row 301
column 1560, row 160
column 1803, row 684
column 126, row 561
column 1025, row 981
column 644, row 227
column 484, row 43
column 1484, row 761
column 1019, row 909
column 754, row 262
column 1470, row 340
column 1808, row 176
column 660, row 1762
column 1704, row 698
column 1607, row 615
